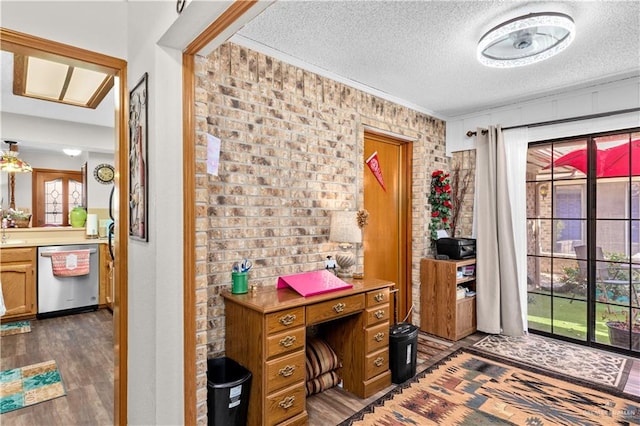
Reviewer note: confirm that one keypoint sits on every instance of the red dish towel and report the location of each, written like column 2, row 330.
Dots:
column 70, row 263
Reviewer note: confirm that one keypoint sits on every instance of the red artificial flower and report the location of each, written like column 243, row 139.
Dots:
column 435, row 214
column 444, row 219
column 438, row 189
column 436, row 173
column 442, row 178
column 447, row 188
column 447, row 203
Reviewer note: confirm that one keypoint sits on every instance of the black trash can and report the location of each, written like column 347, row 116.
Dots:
column 403, row 351
column 228, row 388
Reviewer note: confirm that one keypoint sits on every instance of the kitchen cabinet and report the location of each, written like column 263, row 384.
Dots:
column 106, row 278
column 18, row 277
column 443, row 312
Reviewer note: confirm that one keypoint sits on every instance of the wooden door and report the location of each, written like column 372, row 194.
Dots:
column 387, row 238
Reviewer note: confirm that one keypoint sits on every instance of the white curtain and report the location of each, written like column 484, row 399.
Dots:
column 500, row 217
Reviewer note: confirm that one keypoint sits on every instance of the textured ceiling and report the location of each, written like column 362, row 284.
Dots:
column 423, row 53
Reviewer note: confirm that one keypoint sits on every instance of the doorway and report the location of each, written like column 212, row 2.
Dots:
column 24, row 44
column 387, row 237
column 584, row 240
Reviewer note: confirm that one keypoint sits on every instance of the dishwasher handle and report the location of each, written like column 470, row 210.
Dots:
column 51, row 253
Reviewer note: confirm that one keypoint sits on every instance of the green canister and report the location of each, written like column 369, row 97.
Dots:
column 78, row 217
column 240, row 281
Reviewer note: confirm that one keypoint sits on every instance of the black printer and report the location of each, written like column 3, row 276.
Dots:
column 456, row 248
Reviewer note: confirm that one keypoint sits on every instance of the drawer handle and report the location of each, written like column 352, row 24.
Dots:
column 339, row 307
column 287, row 402
column 379, row 297
column 379, row 361
column 287, row 319
column 288, row 341
column 287, row 370
column 379, row 336
column 379, row 313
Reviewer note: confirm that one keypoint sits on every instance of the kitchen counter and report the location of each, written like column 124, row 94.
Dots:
column 34, row 237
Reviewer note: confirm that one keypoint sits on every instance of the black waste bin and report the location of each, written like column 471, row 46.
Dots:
column 403, row 349
column 228, row 388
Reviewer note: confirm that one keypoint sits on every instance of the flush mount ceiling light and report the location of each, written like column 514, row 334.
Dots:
column 526, row 40
column 59, row 81
column 71, row 152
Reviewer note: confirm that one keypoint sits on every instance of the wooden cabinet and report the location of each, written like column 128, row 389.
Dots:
column 442, row 312
column 18, row 277
column 266, row 333
column 106, row 277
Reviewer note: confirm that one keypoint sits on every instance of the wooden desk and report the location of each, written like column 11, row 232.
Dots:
column 266, row 329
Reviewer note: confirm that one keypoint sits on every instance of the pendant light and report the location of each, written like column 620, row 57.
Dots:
column 526, row 40
column 9, row 162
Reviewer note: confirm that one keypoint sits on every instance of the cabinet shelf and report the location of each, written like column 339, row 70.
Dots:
column 441, row 312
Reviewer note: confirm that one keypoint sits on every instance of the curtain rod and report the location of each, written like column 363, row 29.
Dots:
column 562, row 120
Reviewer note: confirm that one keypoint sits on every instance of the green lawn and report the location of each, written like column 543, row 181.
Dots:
column 570, row 317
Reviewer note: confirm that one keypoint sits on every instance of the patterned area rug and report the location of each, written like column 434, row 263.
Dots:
column 25, row 386
column 595, row 366
column 467, row 389
column 15, row 328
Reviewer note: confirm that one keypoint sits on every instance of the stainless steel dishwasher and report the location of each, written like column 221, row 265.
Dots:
column 60, row 295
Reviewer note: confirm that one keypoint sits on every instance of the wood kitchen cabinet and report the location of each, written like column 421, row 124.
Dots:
column 106, row 278
column 442, row 312
column 18, row 277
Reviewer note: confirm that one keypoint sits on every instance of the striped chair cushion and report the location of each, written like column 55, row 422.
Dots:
column 323, row 382
column 320, row 358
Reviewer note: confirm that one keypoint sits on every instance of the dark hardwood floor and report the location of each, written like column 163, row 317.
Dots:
column 82, row 346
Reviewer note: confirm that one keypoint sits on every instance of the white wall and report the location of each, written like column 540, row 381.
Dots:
column 129, row 30
column 619, row 95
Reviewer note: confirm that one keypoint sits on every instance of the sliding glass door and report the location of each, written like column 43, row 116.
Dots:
column 583, row 218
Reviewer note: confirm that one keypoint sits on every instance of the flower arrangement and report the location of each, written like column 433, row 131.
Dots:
column 440, row 200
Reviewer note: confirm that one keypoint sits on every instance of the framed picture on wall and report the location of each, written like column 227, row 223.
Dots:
column 138, row 172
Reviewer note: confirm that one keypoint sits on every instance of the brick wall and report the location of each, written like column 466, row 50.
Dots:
column 291, row 152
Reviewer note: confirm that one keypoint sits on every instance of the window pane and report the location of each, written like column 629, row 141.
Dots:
column 53, row 202
column 570, row 318
column 545, row 235
column 612, row 236
column 539, row 312
column 613, row 157
column 75, row 194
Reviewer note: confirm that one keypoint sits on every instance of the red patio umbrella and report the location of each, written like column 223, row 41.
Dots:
column 610, row 162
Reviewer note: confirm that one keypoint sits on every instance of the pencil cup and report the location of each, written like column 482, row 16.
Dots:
column 239, row 282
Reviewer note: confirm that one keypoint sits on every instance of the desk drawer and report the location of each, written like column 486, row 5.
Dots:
column 285, row 320
column 336, row 308
column 378, row 297
column 377, row 314
column 376, row 337
column 285, row 371
column 376, row 363
column 285, row 404
column 289, row 341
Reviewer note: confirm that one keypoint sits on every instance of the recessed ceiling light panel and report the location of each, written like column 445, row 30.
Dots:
column 526, row 40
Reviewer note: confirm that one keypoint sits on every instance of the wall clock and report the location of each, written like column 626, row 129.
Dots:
column 104, row 173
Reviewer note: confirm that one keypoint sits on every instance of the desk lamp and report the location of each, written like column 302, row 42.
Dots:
column 345, row 231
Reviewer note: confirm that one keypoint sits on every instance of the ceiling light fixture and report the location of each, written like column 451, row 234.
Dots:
column 526, row 40
column 59, row 81
column 71, row 152
column 9, row 162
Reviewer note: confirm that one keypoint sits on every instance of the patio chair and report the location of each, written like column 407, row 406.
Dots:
column 605, row 278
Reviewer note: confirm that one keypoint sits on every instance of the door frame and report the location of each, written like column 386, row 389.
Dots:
column 14, row 41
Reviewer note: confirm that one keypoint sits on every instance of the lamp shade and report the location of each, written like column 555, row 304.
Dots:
column 344, row 228
column 9, row 162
